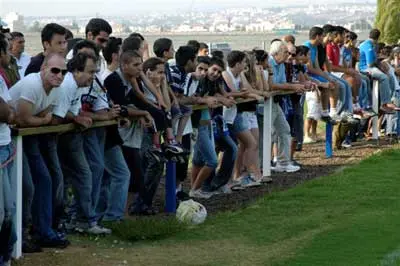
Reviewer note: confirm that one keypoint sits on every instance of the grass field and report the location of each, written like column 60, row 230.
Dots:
column 349, row 218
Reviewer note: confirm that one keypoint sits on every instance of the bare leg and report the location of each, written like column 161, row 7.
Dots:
column 202, row 175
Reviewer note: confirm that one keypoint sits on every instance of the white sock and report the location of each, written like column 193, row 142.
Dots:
column 333, row 111
column 179, row 188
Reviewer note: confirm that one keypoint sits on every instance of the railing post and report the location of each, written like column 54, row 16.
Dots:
column 267, row 132
column 170, row 188
column 375, row 107
column 17, row 175
column 328, row 140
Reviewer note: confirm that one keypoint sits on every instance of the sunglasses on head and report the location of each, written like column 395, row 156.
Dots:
column 56, row 71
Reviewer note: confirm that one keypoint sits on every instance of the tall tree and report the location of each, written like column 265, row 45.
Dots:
column 388, row 20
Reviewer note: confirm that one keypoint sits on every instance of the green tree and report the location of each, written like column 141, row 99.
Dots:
column 388, row 20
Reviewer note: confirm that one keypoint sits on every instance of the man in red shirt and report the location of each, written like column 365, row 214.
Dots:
column 348, row 74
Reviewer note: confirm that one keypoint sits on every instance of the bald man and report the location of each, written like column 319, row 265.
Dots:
column 33, row 97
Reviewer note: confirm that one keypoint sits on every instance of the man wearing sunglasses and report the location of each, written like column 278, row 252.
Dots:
column 34, row 98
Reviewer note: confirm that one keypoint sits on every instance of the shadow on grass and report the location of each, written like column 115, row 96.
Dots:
column 146, row 228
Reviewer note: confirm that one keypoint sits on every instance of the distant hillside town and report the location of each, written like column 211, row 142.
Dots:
column 356, row 17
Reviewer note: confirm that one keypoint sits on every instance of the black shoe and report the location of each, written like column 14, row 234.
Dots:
column 299, row 147
column 30, row 246
column 54, row 243
column 294, row 162
column 182, row 196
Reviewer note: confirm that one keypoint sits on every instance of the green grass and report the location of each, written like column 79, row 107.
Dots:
column 349, row 218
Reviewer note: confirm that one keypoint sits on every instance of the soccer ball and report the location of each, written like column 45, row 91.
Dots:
column 191, row 212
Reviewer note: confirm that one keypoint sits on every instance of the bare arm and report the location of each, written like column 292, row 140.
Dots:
column 25, row 118
column 5, row 112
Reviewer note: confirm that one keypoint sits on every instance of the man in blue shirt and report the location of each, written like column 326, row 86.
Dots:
column 369, row 64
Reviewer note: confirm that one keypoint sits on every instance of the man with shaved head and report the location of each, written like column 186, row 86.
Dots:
column 33, row 97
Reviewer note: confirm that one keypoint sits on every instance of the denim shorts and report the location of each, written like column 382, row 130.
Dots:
column 204, row 150
column 251, row 119
column 183, row 110
column 240, row 124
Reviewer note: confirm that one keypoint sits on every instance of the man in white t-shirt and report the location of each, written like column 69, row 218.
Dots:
column 75, row 165
column 17, row 50
column 33, row 97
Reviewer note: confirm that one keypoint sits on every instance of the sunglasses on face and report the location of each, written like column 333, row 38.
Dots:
column 56, row 71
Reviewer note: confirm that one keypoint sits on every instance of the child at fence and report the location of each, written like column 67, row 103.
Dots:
column 185, row 63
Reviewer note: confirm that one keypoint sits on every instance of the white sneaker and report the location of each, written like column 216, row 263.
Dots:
column 336, row 118
column 98, row 230
column 94, row 229
column 225, row 189
column 308, row 140
column 290, row 168
column 200, row 194
column 248, row 181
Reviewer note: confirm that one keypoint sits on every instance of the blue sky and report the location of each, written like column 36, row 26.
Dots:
column 125, row 7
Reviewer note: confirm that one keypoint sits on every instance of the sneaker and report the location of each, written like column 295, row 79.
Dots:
column 29, row 245
column 248, row 181
column 266, row 179
column 225, row 189
column 92, row 230
column 346, row 144
column 326, row 118
column 348, row 118
column 173, row 148
column 296, row 163
column 98, row 230
column 235, row 185
column 335, row 119
column 155, row 153
column 308, row 140
column 286, row 168
column 299, row 146
column 182, row 196
column 54, row 243
column 200, row 194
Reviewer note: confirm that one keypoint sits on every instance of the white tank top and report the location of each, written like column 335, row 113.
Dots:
column 229, row 114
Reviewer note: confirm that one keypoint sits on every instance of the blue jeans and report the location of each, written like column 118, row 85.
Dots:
column 217, row 179
column 28, row 190
column 93, row 145
column 115, row 191
column 42, row 205
column 364, row 96
column 385, row 91
column 345, row 101
column 48, row 148
column 204, row 151
column 7, row 204
column 76, row 168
